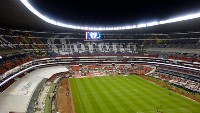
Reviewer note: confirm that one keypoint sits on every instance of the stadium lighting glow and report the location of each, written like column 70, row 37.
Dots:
column 97, row 28
column 127, row 27
column 152, row 24
column 141, row 25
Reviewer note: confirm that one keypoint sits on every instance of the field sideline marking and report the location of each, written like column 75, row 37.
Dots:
column 78, row 96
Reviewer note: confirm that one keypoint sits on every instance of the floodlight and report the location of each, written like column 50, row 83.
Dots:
column 152, row 23
column 93, row 28
column 127, row 27
column 141, row 25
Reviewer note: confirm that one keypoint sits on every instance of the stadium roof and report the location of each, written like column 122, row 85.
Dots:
column 13, row 14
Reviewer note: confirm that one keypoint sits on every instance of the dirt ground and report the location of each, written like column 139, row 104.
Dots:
column 64, row 100
column 169, row 87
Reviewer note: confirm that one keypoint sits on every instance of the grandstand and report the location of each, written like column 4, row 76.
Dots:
column 162, row 56
column 141, row 68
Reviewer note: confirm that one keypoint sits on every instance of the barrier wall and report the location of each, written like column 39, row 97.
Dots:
column 34, row 97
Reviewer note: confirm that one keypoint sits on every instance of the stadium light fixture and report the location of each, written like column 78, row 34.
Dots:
column 127, row 27
column 141, row 25
column 133, row 26
column 152, row 24
column 97, row 28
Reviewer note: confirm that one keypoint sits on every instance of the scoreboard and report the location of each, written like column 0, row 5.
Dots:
column 93, row 36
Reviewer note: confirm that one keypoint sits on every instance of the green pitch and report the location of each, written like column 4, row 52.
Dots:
column 128, row 94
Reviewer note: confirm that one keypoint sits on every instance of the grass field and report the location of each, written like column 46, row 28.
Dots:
column 127, row 94
column 47, row 100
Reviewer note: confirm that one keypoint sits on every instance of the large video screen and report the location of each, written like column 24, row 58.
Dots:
column 93, row 36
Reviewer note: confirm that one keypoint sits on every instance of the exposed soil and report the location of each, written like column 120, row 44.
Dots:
column 64, row 100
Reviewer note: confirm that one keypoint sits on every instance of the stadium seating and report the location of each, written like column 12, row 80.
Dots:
column 9, row 62
column 179, row 81
column 101, row 70
column 178, row 46
column 174, row 47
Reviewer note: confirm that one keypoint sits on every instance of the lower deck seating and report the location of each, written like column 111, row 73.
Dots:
column 179, row 81
column 7, row 63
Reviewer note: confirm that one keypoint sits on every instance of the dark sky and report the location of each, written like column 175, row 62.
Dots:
column 114, row 12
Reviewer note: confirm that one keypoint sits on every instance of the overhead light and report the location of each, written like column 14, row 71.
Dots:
column 152, row 24
column 0, row 57
column 141, row 25
column 127, row 27
column 95, row 28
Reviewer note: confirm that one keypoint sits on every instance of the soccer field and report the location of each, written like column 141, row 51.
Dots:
column 127, row 94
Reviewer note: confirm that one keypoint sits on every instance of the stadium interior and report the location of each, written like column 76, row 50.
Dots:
column 41, row 71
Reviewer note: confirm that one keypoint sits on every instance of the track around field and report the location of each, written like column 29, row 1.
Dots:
column 65, row 101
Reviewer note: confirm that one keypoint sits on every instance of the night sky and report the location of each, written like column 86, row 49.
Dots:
column 114, row 12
